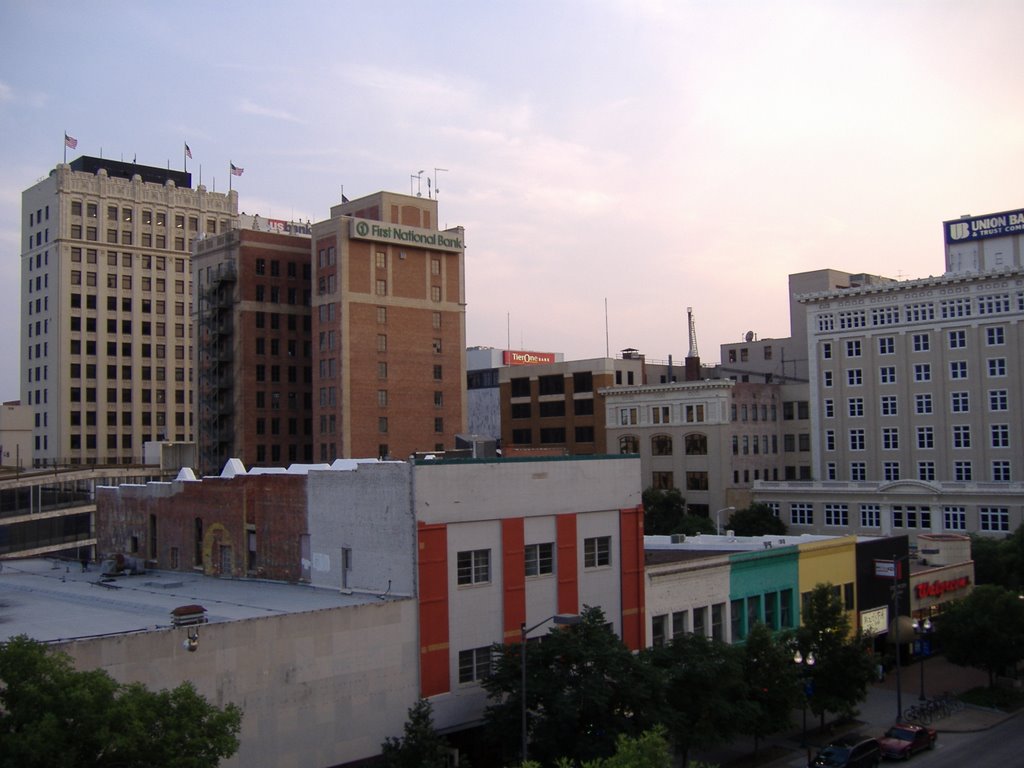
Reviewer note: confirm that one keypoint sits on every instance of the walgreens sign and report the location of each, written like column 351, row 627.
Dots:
column 939, row 587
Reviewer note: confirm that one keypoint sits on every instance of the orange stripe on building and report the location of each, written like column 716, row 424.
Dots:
column 513, row 577
column 568, row 564
column 631, row 556
column 435, row 673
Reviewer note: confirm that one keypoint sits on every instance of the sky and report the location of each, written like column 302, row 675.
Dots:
column 612, row 161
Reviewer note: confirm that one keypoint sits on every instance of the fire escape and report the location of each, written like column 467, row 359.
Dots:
column 216, row 362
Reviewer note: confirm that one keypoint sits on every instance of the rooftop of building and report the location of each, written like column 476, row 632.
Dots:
column 117, row 169
column 52, row 600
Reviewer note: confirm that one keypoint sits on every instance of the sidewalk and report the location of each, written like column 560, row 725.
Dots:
column 877, row 712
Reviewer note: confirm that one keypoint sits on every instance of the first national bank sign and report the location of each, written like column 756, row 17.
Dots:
column 364, row 229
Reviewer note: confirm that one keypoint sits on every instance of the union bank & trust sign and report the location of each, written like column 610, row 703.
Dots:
column 362, row 229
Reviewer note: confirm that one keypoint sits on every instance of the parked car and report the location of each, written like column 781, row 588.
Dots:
column 904, row 740
column 849, row 752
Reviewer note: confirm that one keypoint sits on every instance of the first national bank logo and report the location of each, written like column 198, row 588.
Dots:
column 362, row 228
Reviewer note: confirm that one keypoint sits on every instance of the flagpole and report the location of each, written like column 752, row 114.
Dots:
column 65, row 146
column 230, row 174
column 184, row 156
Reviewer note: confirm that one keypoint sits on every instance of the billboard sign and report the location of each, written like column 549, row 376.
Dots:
column 981, row 227
column 367, row 229
column 875, row 621
column 516, row 357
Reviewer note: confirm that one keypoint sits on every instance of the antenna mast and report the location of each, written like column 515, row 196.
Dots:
column 693, row 332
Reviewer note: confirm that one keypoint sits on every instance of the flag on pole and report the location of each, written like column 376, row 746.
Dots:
column 188, row 152
column 236, row 171
column 70, row 141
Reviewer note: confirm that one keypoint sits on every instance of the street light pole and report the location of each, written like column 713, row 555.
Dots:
column 561, row 619
column 718, row 519
column 923, row 629
column 805, row 665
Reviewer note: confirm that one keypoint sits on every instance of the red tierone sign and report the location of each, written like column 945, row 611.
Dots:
column 514, row 357
column 939, row 587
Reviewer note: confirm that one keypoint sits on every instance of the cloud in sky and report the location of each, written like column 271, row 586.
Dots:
column 658, row 155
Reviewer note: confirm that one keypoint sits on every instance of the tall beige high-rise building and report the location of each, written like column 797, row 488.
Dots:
column 106, row 331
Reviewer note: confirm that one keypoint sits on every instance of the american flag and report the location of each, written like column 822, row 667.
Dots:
column 236, row 171
column 70, row 141
column 188, row 152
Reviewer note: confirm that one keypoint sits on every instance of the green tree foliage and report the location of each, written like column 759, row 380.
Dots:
column 584, row 688
column 999, row 561
column 984, row 630
column 844, row 666
column 756, row 520
column 770, row 677
column 701, row 695
column 663, row 511
column 52, row 714
column 420, row 746
column 649, row 750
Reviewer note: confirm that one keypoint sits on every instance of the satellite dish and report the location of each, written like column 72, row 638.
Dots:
column 749, row 336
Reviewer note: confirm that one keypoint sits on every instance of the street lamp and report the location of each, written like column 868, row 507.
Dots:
column 561, row 619
column 718, row 519
column 806, row 667
column 923, row 629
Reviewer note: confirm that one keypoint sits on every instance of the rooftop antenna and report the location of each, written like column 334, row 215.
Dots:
column 437, row 189
column 606, row 353
column 692, row 326
column 419, row 184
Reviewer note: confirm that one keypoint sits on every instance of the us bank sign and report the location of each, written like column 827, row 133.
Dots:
column 362, row 229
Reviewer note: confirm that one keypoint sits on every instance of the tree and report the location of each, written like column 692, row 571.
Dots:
column 663, row 511
column 649, row 750
column 700, row 698
column 999, row 561
column 52, row 714
column 584, row 688
column 843, row 667
column 770, row 677
column 756, row 520
column 984, row 630
column 420, row 746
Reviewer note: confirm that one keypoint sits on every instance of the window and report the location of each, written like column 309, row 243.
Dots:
column 887, row 374
column 696, row 445
column 890, row 470
column 962, row 436
column 473, row 567
column 382, row 342
column 830, row 408
column 539, row 559
column 853, row 348
column 957, row 340
column 994, row 518
column 474, row 664
column 1000, row 435
column 954, row 518
column 597, row 552
column 856, row 406
column 959, row 402
column 837, row 515
column 830, row 439
column 888, row 403
column 1001, row 471
column 661, row 445
column 435, row 293
column 962, row 471
column 921, row 342
column 886, row 345
column 997, row 400
column 629, row 444
column 658, row 629
column 663, row 481
column 801, row 513
column 826, row 378
column 997, row 366
column 854, row 377
column 856, row 439
column 922, row 372
column 958, row 369
column 890, row 438
column 627, row 416
column 660, row 414
column 826, row 350
column 925, row 437
column 995, row 336
column 858, row 471
column 923, row 403
column 926, row 471
column 870, row 515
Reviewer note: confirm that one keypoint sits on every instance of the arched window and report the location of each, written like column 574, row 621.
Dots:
column 696, row 444
column 629, row 444
column 661, row 445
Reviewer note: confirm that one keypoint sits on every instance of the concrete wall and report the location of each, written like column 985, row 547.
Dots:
column 369, row 511
column 688, row 586
column 317, row 689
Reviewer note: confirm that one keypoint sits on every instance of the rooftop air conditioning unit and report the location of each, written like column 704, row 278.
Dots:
column 678, row 538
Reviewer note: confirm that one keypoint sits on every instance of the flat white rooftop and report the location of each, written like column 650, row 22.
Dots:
column 51, row 600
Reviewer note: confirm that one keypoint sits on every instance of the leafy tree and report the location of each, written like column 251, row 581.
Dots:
column 584, row 688
column 692, row 525
column 663, row 511
column 843, row 667
column 701, row 691
column 649, row 750
column 420, row 746
column 984, row 630
column 770, row 677
column 999, row 561
column 756, row 520
column 52, row 714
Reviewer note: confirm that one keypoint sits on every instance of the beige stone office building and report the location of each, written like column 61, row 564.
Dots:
column 916, row 396
column 105, row 310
